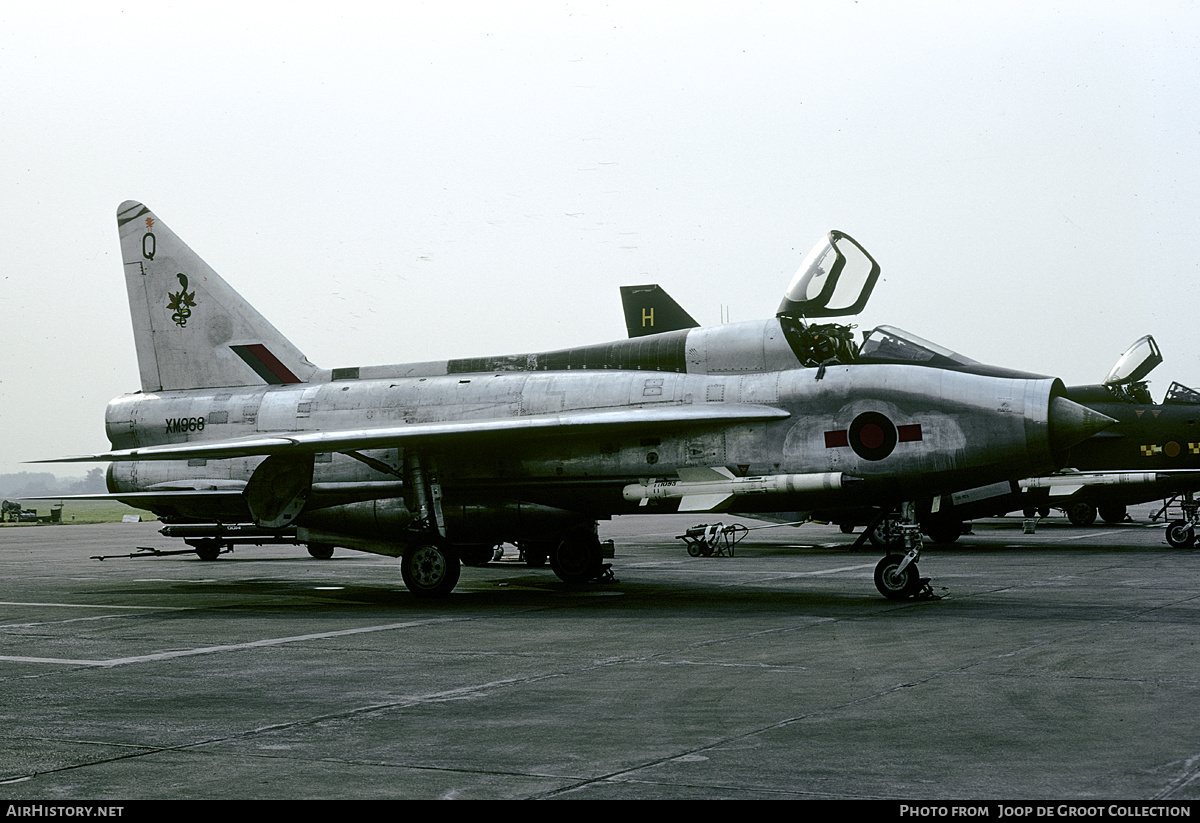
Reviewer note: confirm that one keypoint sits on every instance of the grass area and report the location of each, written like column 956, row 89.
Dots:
column 83, row 511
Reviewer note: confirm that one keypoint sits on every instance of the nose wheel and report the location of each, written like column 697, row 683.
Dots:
column 1181, row 534
column 898, row 578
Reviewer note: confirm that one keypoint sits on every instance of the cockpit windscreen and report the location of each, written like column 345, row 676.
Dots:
column 888, row 344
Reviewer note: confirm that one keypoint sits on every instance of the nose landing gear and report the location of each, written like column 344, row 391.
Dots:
column 896, row 575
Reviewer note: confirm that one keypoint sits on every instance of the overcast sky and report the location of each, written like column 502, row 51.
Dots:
column 407, row 181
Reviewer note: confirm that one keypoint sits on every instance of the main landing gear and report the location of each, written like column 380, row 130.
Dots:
column 578, row 557
column 430, row 568
column 431, row 564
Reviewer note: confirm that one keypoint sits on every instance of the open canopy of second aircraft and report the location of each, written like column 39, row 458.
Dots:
column 237, row 436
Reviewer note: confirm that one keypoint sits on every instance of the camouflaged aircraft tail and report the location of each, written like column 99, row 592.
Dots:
column 650, row 310
column 191, row 329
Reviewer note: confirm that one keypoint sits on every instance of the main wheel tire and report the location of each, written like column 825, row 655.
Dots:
column 577, row 558
column 477, row 555
column 1180, row 534
column 321, row 551
column 535, row 552
column 430, row 570
column 944, row 531
column 1081, row 513
column 1112, row 512
column 897, row 585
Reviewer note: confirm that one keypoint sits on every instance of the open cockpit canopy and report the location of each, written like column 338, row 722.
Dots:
column 835, row 280
column 1138, row 361
column 1125, row 380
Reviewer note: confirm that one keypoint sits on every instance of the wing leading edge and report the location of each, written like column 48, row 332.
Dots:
column 449, row 433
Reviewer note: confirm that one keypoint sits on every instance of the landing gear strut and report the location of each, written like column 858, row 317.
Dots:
column 430, row 565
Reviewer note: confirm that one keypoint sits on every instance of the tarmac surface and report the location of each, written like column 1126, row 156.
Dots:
column 1058, row 665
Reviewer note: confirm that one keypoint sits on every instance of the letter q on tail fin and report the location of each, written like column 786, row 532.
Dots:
column 191, row 329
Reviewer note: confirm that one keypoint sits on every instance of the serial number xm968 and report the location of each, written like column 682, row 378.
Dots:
column 176, row 425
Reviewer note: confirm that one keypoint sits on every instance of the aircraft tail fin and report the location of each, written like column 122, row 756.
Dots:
column 191, row 329
column 650, row 310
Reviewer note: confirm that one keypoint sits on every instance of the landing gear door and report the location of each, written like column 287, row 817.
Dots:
column 835, row 280
column 1137, row 362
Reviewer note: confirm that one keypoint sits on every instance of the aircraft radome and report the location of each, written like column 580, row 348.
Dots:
column 236, row 437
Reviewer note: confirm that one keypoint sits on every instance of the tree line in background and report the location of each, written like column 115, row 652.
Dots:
column 44, row 484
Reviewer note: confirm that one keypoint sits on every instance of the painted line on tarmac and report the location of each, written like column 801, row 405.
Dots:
column 831, row 571
column 1086, row 535
column 694, row 564
column 274, row 641
column 93, row 606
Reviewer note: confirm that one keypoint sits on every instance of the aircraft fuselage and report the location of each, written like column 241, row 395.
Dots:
column 934, row 429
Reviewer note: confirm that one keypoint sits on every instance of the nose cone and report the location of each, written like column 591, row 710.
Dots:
column 1072, row 423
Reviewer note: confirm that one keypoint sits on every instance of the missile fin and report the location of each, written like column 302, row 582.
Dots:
column 702, row 502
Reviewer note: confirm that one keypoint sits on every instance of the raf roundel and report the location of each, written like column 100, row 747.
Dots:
column 872, row 436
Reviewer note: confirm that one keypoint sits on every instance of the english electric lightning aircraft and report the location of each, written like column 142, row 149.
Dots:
column 1151, row 451
column 236, row 436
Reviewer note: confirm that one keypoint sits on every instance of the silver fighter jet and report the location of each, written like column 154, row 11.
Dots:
column 236, row 437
